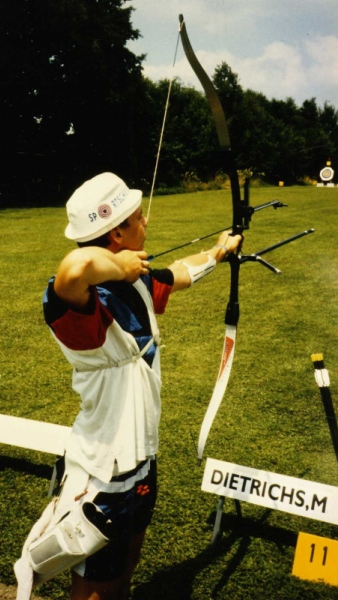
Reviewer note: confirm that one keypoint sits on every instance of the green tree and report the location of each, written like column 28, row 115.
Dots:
column 68, row 88
column 290, row 141
column 318, row 142
column 328, row 119
column 189, row 138
column 231, row 96
column 229, row 91
column 276, row 137
column 257, row 141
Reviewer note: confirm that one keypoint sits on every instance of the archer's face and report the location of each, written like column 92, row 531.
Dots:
column 134, row 236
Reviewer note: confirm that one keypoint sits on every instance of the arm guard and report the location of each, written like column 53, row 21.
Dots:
column 196, row 272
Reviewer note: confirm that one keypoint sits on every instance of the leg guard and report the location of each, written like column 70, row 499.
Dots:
column 81, row 532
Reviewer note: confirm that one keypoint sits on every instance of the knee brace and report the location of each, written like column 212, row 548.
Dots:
column 80, row 533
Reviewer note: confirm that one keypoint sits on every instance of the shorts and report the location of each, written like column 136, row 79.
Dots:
column 129, row 501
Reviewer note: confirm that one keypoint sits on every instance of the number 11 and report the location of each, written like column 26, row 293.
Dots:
column 312, row 553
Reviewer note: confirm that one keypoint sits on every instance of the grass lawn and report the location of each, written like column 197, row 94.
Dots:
column 271, row 418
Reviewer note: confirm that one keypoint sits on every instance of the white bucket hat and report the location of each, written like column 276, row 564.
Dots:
column 99, row 205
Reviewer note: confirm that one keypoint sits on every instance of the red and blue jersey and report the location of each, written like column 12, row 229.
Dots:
column 86, row 329
column 119, row 385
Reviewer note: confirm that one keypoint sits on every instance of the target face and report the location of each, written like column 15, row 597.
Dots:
column 326, row 174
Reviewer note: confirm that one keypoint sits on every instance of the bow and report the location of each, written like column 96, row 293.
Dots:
column 242, row 212
column 240, row 221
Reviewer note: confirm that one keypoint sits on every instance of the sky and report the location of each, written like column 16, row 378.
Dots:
column 281, row 48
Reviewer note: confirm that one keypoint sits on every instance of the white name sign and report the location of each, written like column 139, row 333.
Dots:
column 288, row 494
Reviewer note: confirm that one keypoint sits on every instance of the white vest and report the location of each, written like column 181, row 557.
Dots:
column 117, row 425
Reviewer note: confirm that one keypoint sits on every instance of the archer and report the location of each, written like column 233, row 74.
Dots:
column 100, row 308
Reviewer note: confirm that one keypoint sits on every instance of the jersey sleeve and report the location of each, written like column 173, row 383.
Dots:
column 162, row 281
column 77, row 330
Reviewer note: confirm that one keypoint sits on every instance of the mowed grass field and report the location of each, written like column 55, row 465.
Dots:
column 271, row 418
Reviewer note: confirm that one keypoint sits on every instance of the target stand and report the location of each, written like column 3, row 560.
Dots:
column 326, row 175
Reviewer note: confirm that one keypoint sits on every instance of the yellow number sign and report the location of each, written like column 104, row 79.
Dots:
column 316, row 559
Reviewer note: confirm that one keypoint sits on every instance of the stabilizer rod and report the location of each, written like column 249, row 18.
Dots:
column 256, row 257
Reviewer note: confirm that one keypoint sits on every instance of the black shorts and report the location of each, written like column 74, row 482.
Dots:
column 131, row 512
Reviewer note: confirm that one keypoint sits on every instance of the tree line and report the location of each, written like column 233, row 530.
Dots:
column 75, row 102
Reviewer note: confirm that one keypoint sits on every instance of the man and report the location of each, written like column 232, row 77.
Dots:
column 101, row 309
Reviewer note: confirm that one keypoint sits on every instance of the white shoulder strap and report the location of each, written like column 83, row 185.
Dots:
column 144, row 293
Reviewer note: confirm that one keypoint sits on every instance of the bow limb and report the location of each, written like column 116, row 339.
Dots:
column 229, row 164
column 240, row 220
column 210, row 92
